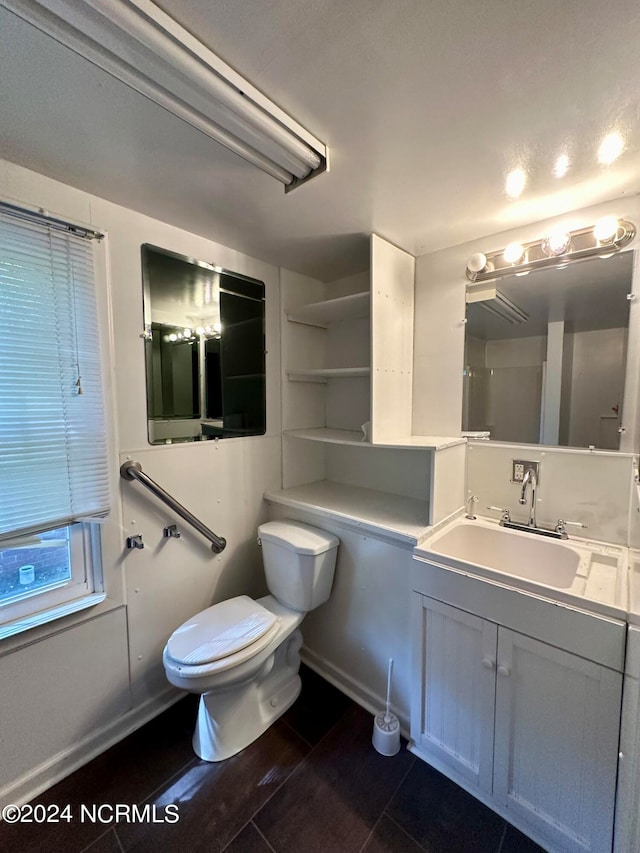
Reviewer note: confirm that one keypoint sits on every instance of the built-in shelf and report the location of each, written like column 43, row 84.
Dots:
column 354, row 437
column 397, row 517
column 324, row 374
column 330, row 311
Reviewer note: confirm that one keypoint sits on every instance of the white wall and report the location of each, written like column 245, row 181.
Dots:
column 593, row 487
column 71, row 693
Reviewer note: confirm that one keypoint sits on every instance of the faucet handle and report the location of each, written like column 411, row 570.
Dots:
column 561, row 526
column 505, row 514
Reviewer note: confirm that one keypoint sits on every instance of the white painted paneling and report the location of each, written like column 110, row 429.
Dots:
column 447, row 485
column 400, row 472
column 392, row 309
column 557, row 719
column 351, row 637
column 453, row 711
column 627, row 825
column 171, row 580
column 174, row 578
column 577, row 485
column 58, row 691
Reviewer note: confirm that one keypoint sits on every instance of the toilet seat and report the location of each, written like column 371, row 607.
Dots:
column 221, row 637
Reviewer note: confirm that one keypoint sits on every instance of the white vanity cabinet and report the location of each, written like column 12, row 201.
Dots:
column 529, row 728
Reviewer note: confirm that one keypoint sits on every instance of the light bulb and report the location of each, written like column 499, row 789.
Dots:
column 557, row 243
column 477, row 262
column 207, row 330
column 513, row 253
column 610, row 148
column 173, row 338
column 186, row 333
column 217, row 327
column 200, row 330
column 606, row 229
column 515, row 183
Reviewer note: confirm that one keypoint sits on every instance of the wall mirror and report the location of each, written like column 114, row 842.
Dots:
column 204, row 350
column 545, row 354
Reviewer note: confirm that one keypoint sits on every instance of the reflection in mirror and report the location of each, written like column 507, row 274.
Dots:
column 204, row 348
column 545, row 354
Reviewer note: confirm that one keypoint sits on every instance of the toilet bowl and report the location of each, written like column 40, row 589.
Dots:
column 242, row 655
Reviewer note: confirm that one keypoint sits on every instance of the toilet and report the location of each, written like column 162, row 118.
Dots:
column 242, row 655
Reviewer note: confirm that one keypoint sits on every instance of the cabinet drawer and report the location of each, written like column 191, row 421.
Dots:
column 596, row 638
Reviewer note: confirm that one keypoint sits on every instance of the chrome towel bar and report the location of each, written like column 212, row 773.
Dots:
column 133, row 471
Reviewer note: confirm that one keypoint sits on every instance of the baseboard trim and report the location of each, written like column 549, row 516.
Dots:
column 356, row 690
column 64, row 763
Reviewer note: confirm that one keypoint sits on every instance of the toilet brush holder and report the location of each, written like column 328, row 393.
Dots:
column 386, row 726
column 386, row 734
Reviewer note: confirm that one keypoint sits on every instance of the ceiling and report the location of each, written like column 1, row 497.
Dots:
column 425, row 107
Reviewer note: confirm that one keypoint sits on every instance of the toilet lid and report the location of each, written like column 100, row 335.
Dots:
column 220, row 631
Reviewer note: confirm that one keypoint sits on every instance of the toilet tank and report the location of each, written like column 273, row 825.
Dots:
column 299, row 563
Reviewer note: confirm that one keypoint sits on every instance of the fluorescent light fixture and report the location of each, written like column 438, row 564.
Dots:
column 501, row 306
column 143, row 47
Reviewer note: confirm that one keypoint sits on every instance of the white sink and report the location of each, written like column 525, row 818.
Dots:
column 525, row 555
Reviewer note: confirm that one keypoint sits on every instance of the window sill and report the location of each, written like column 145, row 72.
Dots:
column 26, row 623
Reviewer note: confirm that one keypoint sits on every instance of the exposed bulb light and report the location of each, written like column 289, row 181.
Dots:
column 559, row 248
column 200, row 330
column 515, row 183
column 186, row 333
column 606, row 229
column 557, row 243
column 477, row 262
column 513, row 253
column 610, row 148
column 217, row 327
column 173, row 337
column 561, row 166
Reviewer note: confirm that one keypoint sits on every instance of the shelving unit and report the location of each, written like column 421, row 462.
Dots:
column 345, row 436
column 324, row 374
column 347, row 364
column 323, row 314
column 394, row 516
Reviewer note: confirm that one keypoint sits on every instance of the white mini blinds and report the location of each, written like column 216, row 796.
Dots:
column 53, row 455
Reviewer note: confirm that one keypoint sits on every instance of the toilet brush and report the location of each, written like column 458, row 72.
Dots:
column 386, row 727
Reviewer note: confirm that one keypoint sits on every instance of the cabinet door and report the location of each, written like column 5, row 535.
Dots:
column 556, row 746
column 453, row 712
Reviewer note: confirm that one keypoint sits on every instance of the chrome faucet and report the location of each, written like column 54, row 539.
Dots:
column 530, row 479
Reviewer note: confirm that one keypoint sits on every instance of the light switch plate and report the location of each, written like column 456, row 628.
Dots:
column 520, row 467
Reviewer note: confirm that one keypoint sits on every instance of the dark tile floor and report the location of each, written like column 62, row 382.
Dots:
column 313, row 782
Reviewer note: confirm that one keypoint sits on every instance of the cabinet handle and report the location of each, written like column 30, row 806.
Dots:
column 488, row 663
column 504, row 670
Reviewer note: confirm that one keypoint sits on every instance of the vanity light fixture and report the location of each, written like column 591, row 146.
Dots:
column 558, row 249
column 143, row 47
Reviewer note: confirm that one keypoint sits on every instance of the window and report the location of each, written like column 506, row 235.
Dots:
column 53, row 457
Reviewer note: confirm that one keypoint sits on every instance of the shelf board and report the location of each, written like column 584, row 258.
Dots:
column 354, row 437
column 330, row 436
column 394, row 516
column 324, row 374
column 323, row 314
